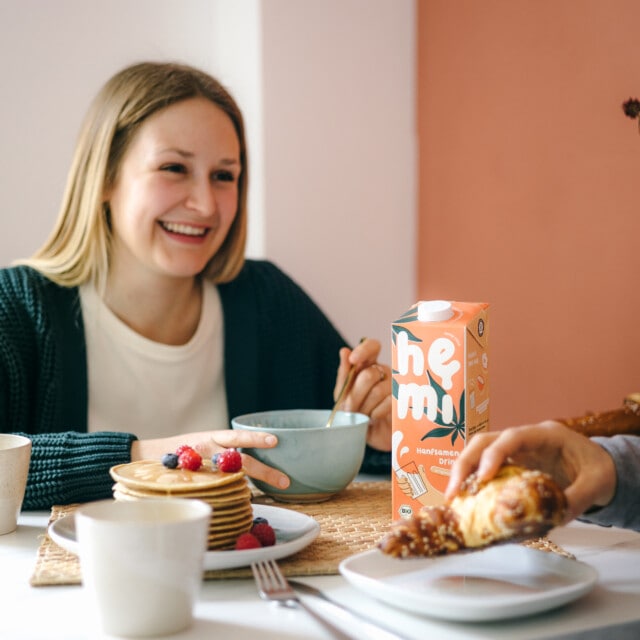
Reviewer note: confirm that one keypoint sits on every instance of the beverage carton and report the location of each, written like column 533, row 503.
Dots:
column 439, row 355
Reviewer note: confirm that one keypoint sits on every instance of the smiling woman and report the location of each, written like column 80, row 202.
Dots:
column 139, row 326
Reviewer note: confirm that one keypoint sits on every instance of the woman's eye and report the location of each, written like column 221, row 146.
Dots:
column 174, row 168
column 224, row 176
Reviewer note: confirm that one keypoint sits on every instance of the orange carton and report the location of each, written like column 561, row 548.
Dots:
column 439, row 355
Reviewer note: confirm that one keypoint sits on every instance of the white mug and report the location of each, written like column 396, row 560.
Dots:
column 142, row 562
column 15, row 454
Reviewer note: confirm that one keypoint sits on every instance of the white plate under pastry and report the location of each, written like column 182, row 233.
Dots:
column 294, row 531
column 497, row 583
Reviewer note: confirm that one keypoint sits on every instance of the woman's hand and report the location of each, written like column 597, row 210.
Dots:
column 580, row 466
column 370, row 391
column 207, row 443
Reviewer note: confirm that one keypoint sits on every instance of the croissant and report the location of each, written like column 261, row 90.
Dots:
column 517, row 504
column 624, row 420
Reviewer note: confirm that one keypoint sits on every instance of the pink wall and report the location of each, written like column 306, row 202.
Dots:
column 529, row 192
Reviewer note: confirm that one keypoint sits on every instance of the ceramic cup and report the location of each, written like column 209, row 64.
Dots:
column 15, row 454
column 142, row 563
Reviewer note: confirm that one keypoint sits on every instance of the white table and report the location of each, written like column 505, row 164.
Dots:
column 232, row 609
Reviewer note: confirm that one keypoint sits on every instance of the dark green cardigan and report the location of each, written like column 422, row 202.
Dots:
column 280, row 352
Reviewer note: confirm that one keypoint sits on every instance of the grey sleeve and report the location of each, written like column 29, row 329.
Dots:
column 624, row 509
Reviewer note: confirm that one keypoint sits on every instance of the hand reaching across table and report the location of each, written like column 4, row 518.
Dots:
column 599, row 475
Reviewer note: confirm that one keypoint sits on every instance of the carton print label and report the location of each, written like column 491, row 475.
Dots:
column 440, row 397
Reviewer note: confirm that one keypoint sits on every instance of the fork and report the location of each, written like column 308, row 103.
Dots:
column 273, row 586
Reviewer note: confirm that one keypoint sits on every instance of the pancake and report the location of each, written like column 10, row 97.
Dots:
column 231, row 497
column 152, row 475
column 228, row 494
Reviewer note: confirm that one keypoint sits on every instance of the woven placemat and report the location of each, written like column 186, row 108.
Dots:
column 352, row 521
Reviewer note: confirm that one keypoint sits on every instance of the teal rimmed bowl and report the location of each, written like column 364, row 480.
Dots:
column 320, row 461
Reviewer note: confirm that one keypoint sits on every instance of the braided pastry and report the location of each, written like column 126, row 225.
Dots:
column 625, row 420
column 517, row 504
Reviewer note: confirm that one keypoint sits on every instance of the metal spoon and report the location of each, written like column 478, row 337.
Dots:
column 345, row 387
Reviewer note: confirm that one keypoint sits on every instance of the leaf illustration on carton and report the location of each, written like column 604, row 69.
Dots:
column 408, row 316
column 440, row 432
column 396, row 329
column 394, row 384
column 455, row 428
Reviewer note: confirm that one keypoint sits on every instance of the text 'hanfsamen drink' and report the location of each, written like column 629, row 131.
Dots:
column 440, row 364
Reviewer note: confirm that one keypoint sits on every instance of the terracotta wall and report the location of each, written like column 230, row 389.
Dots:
column 530, row 194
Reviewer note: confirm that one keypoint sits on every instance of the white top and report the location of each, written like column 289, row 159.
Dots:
column 150, row 389
column 434, row 311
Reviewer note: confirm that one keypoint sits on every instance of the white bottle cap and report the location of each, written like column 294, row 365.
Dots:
column 434, row 311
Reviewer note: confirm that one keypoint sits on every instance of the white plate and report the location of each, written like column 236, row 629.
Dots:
column 496, row 583
column 294, row 531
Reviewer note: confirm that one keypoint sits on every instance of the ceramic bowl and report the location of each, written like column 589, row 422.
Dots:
column 320, row 461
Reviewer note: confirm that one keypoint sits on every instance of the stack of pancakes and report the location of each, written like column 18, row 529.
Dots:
column 228, row 494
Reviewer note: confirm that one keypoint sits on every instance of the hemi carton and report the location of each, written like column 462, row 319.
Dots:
column 440, row 362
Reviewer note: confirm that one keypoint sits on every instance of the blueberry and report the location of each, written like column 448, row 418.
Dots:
column 170, row 460
column 260, row 520
column 214, row 459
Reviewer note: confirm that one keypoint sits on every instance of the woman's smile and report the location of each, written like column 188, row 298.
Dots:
column 184, row 231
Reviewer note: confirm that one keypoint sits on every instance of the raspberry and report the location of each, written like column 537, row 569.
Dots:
column 170, row 460
column 190, row 459
column 247, row 541
column 229, row 461
column 183, row 447
column 264, row 533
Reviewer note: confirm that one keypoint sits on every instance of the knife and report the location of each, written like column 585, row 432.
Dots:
column 374, row 629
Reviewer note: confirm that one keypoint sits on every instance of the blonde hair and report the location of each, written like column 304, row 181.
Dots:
column 78, row 249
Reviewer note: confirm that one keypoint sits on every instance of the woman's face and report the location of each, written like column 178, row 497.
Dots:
column 176, row 191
